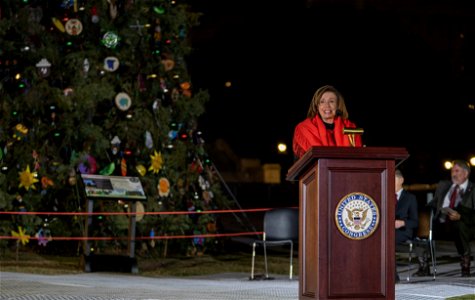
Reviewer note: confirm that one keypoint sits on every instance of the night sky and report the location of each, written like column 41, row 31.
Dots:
column 407, row 72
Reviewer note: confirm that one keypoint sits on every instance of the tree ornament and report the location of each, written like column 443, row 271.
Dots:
column 36, row 160
column 163, row 187
column 152, row 235
column 73, row 27
column 72, row 181
column 159, row 10
column 46, row 182
column 148, row 140
column 139, row 27
column 207, row 196
column 108, row 170
column 43, row 236
column 186, row 89
column 123, row 167
column 112, row 9
column 88, row 165
column 156, row 162
column 141, row 170
column 139, row 210
column 111, row 63
column 72, row 177
column 19, row 132
column 57, row 23
column 94, row 15
column 44, row 67
column 110, row 39
column 123, row 101
column 115, row 145
column 21, row 236
column 85, row 67
column 27, row 179
column 168, row 64
column 68, row 91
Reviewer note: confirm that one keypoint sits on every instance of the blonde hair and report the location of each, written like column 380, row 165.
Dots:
column 317, row 97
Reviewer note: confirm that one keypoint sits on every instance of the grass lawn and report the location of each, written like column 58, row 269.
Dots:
column 30, row 261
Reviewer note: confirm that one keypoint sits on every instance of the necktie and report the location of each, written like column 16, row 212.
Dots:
column 453, row 196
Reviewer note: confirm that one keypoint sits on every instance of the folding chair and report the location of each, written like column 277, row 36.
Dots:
column 425, row 241
column 280, row 228
column 406, row 248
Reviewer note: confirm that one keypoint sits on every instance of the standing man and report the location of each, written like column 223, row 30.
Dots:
column 454, row 205
column 407, row 218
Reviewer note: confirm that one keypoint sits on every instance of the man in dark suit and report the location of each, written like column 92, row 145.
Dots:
column 454, row 206
column 407, row 218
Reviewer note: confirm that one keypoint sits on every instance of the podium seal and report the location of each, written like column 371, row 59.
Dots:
column 357, row 216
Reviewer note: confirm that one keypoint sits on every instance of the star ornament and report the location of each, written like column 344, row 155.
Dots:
column 21, row 236
column 156, row 162
column 27, row 179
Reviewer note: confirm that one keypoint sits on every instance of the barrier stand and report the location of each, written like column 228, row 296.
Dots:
column 100, row 187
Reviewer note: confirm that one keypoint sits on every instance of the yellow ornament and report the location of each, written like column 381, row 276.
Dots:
column 27, row 179
column 156, row 163
column 21, row 236
column 141, row 169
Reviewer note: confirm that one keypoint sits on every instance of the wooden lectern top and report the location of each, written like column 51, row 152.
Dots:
column 306, row 161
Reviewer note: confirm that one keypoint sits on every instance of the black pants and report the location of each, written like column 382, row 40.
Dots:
column 464, row 230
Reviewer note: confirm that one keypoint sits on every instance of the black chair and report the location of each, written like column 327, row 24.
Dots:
column 422, row 243
column 406, row 248
column 280, row 228
column 425, row 243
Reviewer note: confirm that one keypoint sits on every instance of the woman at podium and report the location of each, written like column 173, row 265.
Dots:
column 327, row 123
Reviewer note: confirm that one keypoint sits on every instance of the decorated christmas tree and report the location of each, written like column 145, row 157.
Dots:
column 102, row 87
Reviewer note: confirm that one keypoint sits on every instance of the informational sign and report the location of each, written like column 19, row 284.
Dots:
column 113, row 187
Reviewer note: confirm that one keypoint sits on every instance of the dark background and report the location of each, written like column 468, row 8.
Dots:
column 405, row 68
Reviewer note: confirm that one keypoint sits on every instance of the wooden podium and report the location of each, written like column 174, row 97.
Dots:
column 346, row 234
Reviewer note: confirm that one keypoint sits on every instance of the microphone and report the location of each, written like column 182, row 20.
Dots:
column 353, row 130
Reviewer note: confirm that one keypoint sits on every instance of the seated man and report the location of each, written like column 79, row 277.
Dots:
column 454, row 206
column 407, row 218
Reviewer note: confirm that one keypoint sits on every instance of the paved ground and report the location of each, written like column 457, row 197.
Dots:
column 117, row 286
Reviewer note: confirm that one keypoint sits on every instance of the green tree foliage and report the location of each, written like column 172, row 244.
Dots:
column 102, row 87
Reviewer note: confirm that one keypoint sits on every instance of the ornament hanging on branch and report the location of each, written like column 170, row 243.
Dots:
column 141, row 169
column 123, row 101
column 73, row 27
column 27, row 179
column 94, row 15
column 20, row 132
column 21, row 236
column 85, row 67
column 115, row 145
column 156, row 162
column 110, row 39
column 112, row 9
column 148, row 140
column 44, row 67
column 57, row 23
column 88, row 165
column 163, row 187
column 111, row 63
column 44, row 236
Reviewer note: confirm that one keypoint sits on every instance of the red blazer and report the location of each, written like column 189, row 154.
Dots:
column 312, row 132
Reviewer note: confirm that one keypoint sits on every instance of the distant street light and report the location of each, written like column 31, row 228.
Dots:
column 282, row 148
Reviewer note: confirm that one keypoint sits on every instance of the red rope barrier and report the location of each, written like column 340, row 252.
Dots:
column 138, row 213
column 131, row 213
column 162, row 237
